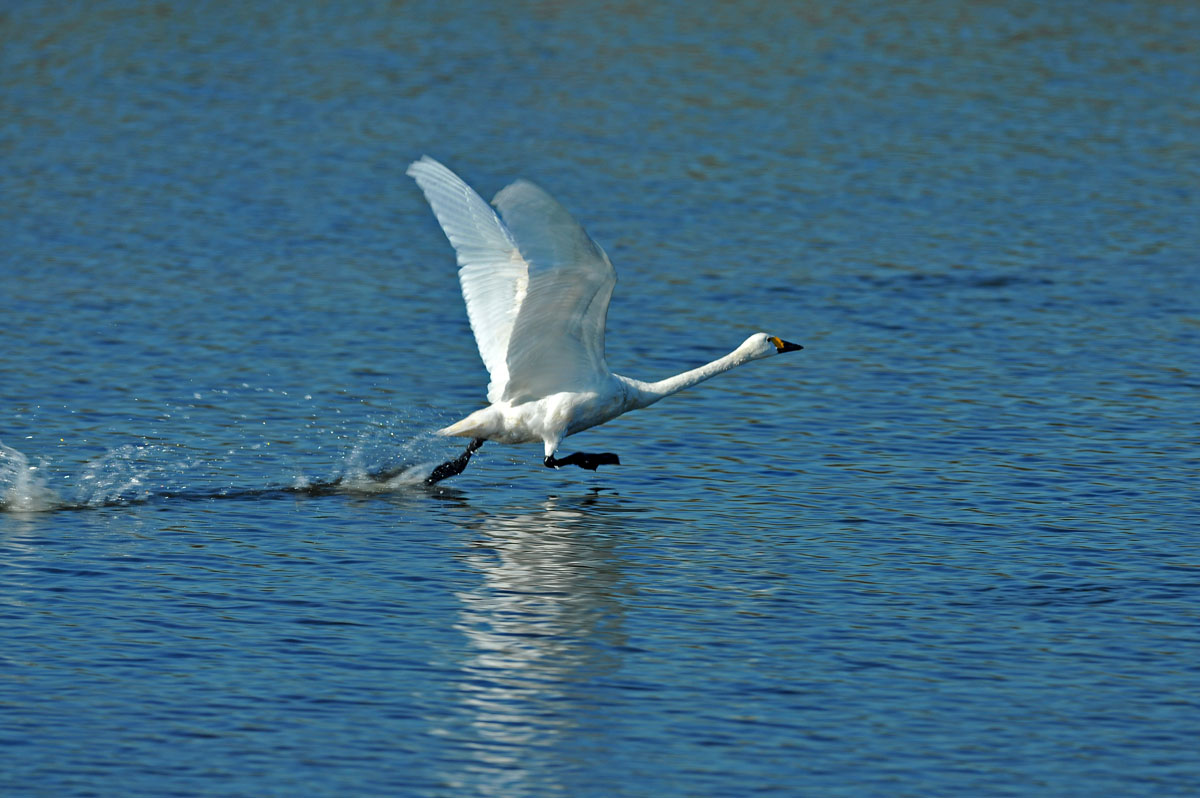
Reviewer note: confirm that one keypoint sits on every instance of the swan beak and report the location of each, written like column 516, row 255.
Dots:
column 782, row 346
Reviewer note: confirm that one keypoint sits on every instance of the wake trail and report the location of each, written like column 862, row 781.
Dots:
column 24, row 486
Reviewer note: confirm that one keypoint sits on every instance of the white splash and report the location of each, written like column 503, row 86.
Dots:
column 114, row 476
column 22, row 485
column 357, row 477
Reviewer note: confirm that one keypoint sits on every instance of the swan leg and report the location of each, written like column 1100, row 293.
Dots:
column 453, row 468
column 583, row 459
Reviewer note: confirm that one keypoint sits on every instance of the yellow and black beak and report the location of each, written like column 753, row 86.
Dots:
column 784, row 346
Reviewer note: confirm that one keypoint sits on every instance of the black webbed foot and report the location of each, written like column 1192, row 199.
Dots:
column 454, row 467
column 584, row 460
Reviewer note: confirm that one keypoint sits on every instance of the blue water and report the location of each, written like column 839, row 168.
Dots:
column 948, row 549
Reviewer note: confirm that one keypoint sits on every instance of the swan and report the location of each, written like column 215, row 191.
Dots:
column 537, row 289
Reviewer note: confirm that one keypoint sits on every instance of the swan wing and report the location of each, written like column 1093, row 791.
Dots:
column 493, row 274
column 557, row 339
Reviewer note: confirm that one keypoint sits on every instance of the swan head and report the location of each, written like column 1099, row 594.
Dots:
column 762, row 345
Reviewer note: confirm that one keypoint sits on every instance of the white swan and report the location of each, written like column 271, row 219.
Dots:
column 537, row 289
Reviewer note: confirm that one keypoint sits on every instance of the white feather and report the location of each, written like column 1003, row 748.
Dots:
column 493, row 274
column 557, row 343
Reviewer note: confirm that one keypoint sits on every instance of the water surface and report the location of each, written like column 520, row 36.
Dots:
column 947, row 549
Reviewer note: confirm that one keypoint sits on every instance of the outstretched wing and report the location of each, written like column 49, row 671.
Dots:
column 491, row 270
column 557, row 343
column 536, row 286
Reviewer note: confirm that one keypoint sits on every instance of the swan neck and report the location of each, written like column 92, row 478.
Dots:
column 647, row 393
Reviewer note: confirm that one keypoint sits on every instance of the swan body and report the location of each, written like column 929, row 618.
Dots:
column 537, row 289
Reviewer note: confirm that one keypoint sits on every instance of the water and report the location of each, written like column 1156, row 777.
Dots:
column 948, row 549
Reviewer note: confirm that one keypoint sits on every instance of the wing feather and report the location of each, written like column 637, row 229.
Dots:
column 537, row 287
column 557, row 342
column 492, row 272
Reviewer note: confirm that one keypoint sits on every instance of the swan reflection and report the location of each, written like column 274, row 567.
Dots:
column 544, row 624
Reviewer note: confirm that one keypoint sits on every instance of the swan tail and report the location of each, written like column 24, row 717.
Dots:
column 456, row 430
column 469, row 427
